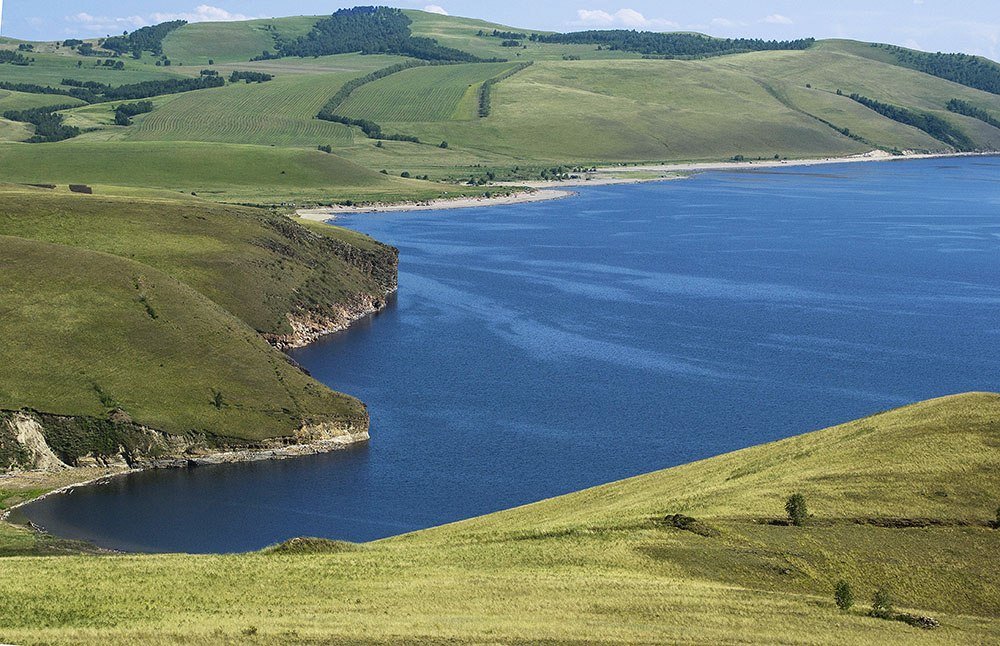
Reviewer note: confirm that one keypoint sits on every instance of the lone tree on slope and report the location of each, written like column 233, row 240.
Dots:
column 796, row 509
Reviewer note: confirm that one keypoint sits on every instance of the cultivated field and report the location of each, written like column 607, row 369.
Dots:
column 421, row 94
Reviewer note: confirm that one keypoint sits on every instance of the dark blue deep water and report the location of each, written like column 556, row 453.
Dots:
column 539, row 349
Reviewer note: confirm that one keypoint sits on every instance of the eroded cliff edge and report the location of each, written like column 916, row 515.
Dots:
column 178, row 365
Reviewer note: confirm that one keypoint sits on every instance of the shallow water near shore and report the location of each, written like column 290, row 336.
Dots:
column 539, row 349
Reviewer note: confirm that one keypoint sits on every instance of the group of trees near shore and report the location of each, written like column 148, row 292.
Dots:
column 933, row 125
column 670, row 45
column 965, row 108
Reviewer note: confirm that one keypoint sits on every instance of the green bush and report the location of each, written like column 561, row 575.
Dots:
column 882, row 604
column 844, row 595
column 796, row 508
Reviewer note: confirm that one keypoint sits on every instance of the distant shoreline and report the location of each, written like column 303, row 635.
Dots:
column 543, row 191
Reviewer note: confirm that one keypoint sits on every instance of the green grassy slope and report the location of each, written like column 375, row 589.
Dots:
column 158, row 303
column 462, row 33
column 223, row 171
column 102, row 326
column 254, row 264
column 751, row 104
column 24, row 101
column 598, row 566
column 655, row 110
column 228, row 42
column 280, row 112
column 52, row 68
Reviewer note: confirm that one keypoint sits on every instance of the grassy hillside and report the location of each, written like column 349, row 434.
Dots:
column 106, row 329
column 600, row 566
column 462, row 33
column 153, row 306
column 755, row 105
column 228, row 42
column 238, row 173
column 281, row 112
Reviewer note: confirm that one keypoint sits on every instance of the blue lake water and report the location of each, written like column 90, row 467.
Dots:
column 538, row 349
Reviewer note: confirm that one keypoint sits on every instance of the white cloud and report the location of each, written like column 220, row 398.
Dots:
column 726, row 23
column 778, row 19
column 435, row 8
column 627, row 18
column 201, row 13
column 100, row 25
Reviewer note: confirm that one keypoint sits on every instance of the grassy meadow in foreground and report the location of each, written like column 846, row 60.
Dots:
column 599, row 566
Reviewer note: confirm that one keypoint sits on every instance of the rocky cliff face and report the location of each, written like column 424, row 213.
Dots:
column 309, row 325
column 33, row 441
column 311, row 320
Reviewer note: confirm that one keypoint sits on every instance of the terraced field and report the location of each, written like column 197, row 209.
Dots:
column 281, row 113
column 423, row 94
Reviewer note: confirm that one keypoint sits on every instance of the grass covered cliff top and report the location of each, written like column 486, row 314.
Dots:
column 901, row 500
column 157, row 306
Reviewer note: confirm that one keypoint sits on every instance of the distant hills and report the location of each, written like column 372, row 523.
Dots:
column 508, row 102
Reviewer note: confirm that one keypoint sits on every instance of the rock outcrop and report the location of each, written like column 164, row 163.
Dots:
column 140, row 447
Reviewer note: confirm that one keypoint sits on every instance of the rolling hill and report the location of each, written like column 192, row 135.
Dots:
column 138, row 311
column 635, row 108
column 607, row 565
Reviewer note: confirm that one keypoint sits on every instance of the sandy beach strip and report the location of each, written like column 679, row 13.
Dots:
column 524, row 197
column 557, row 189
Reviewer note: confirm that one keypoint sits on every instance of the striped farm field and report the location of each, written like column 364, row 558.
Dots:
column 423, row 94
column 280, row 112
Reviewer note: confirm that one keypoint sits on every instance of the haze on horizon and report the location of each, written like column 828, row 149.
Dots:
column 933, row 25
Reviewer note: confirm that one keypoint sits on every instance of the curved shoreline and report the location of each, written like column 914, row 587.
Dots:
column 214, row 458
column 305, row 449
column 541, row 191
column 326, row 214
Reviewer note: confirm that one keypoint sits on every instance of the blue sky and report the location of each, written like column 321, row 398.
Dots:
column 971, row 26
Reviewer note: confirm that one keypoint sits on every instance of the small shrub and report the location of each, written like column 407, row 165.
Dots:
column 443, row 145
column 917, row 621
column 996, row 523
column 687, row 523
column 797, row 510
column 218, row 400
column 843, row 595
column 882, row 604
